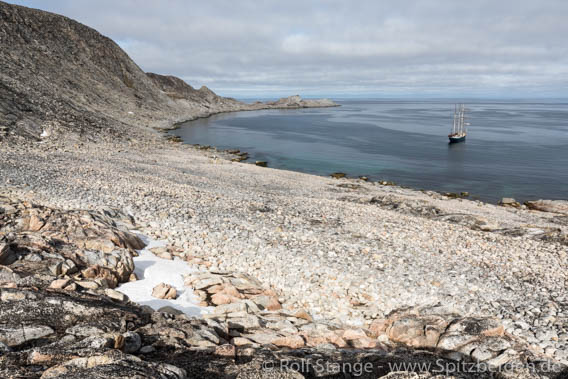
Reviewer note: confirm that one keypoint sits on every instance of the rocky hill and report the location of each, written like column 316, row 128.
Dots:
column 60, row 77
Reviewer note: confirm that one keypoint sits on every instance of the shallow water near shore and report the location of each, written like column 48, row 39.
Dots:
column 514, row 148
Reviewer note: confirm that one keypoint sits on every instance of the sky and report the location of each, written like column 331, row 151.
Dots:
column 364, row 48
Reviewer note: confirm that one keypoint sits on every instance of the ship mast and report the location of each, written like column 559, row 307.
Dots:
column 461, row 127
column 455, row 116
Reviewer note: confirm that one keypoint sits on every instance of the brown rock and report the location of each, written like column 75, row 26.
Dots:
column 226, row 350
column 417, row 331
column 215, row 289
column 105, row 246
column 364, row 343
column 164, row 291
column 555, row 206
column 509, row 202
column 303, row 315
column 241, row 341
column 127, row 240
column 231, row 290
column 336, row 340
column 293, row 342
column 71, row 287
column 37, row 358
column 88, row 284
column 59, row 283
column 314, row 340
column 379, row 326
column 477, row 326
column 354, row 334
column 166, row 255
column 221, row 298
column 119, row 341
column 270, row 303
column 158, row 250
column 35, row 223
column 90, row 272
column 118, row 296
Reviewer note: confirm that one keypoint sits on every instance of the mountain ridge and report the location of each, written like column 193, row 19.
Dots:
column 62, row 78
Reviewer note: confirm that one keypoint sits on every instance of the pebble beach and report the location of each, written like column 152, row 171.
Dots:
column 346, row 250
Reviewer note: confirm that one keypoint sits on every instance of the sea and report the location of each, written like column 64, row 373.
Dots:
column 514, row 148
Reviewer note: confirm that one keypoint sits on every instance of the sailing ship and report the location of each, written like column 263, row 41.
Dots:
column 459, row 130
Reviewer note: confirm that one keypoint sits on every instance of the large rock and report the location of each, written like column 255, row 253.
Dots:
column 292, row 342
column 418, row 331
column 17, row 336
column 113, row 365
column 509, row 202
column 65, row 242
column 554, row 206
column 164, row 291
column 7, row 256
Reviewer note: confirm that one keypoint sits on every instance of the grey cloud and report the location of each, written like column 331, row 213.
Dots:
column 403, row 47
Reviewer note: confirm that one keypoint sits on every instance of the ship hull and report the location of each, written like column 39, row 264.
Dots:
column 457, row 139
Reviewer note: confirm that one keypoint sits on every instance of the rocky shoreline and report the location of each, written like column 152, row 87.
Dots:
column 351, row 255
column 302, row 276
column 236, row 155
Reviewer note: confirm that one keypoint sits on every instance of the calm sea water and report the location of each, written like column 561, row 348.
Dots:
column 514, row 149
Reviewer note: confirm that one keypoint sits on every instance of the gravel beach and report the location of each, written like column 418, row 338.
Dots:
column 344, row 249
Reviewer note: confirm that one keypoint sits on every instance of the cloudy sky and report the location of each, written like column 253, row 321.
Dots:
column 369, row 48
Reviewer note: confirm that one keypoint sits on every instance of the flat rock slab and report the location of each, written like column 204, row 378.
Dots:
column 17, row 336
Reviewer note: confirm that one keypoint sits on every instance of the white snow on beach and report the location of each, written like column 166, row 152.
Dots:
column 152, row 271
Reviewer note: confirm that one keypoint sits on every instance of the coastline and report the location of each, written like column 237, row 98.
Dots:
column 371, row 265
column 249, row 107
column 284, row 206
column 236, row 155
column 293, row 267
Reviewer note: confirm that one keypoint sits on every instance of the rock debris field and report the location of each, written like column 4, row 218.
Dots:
column 343, row 251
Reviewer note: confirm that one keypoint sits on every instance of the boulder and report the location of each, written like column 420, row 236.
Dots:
column 270, row 303
column 7, row 256
column 221, row 298
column 113, row 364
column 509, row 202
column 59, row 283
column 226, row 350
column 18, row 335
column 164, row 291
column 7, row 275
column 116, row 295
column 303, row 315
column 338, row 175
column 417, row 331
column 293, row 342
column 554, row 206
column 132, row 342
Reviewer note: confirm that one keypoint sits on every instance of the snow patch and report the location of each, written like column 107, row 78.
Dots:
column 152, row 271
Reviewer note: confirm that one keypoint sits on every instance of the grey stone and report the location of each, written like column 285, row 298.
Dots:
column 147, row 349
column 17, row 336
column 132, row 342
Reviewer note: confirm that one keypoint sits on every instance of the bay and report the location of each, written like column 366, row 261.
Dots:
column 516, row 148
